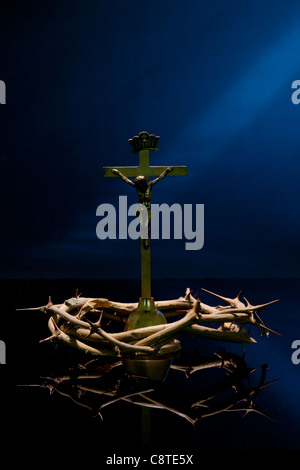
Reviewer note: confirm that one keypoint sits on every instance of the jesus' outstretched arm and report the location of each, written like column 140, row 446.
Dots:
column 124, row 178
column 162, row 175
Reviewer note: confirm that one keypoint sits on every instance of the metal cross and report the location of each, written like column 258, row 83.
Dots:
column 142, row 144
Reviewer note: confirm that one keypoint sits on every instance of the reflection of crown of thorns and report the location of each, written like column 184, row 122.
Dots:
column 144, row 141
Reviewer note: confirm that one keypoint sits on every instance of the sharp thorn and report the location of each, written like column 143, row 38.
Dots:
column 29, row 308
column 258, row 307
column 260, row 387
column 266, row 328
column 225, row 299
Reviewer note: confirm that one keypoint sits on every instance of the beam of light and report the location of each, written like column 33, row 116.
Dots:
column 236, row 108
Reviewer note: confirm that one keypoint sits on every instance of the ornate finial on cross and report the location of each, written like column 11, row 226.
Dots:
column 142, row 144
column 144, row 141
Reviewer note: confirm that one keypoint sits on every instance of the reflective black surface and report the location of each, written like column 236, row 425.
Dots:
column 213, row 397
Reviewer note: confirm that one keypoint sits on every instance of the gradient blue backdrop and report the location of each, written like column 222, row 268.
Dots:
column 212, row 78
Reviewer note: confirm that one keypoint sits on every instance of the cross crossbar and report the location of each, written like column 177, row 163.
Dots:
column 144, row 169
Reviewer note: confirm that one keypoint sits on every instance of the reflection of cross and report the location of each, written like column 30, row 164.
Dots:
column 142, row 144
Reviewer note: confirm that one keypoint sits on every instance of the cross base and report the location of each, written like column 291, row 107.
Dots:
column 145, row 315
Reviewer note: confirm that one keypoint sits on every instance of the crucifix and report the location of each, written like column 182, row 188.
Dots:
column 142, row 144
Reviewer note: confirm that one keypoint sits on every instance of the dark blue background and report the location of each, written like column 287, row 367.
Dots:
column 213, row 79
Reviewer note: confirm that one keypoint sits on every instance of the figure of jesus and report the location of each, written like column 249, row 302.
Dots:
column 144, row 190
